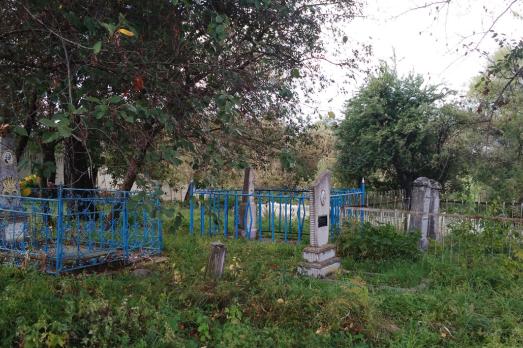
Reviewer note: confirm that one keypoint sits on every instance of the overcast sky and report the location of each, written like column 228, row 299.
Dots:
column 422, row 44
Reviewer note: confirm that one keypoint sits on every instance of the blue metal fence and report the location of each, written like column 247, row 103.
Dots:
column 268, row 214
column 68, row 229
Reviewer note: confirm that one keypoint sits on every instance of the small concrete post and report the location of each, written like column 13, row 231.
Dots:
column 247, row 216
column 216, row 260
column 425, row 210
column 320, row 257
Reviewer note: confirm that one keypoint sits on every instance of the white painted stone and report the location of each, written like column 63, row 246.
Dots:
column 320, row 257
column 247, row 213
column 13, row 223
column 319, row 270
column 313, row 254
column 320, row 210
column 14, row 232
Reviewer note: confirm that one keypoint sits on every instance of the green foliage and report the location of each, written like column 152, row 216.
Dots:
column 122, row 81
column 395, row 130
column 466, row 302
column 368, row 242
column 262, row 302
column 259, row 302
column 497, row 139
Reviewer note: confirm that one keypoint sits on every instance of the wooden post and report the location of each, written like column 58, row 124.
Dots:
column 216, row 260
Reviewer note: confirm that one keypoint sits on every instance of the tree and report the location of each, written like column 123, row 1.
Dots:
column 124, row 83
column 498, row 140
column 397, row 129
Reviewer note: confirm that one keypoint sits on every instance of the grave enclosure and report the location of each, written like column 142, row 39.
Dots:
column 60, row 230
column 269, row 214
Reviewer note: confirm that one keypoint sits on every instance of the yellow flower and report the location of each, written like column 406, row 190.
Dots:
column 26, row 191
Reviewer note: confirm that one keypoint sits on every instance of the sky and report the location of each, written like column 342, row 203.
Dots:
column 421, row 43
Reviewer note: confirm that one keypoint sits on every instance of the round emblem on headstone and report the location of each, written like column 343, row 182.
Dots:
column 7, row 157
column 323, row 196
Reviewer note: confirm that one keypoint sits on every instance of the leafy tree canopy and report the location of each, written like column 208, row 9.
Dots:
column 498, row 137
column 124, row 83
column 397, row 129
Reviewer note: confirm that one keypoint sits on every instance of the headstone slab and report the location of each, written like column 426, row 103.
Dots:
column 425, row 209
column 13, row 225
column 320, row 257
column 9, row 180
column 247, row 223
column 320, row 210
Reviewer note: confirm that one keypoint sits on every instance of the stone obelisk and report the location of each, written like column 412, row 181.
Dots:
column 320, row 257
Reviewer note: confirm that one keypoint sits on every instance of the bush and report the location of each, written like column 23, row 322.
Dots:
column 367, row 242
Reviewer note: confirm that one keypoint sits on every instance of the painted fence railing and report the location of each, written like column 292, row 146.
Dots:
column 459, row 234
column 268, row 214
column 68, row 229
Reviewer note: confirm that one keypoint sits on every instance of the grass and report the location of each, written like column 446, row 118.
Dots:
column 261, row 301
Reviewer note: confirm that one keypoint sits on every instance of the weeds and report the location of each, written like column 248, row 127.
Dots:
column 261, row 301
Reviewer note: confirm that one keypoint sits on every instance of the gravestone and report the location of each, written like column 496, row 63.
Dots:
column 247, row 213
column 320, row 257
column 12, row 224
column 216, row 260
column 425, row 210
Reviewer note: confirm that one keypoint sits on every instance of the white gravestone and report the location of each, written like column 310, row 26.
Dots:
column 247, row 214
column 13, row 224
column 320, row 257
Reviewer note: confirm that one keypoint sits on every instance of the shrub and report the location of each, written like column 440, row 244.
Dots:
column 362, row 242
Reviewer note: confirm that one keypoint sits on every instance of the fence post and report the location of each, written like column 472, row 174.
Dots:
column 191, row 209
column 362, row 212
column 159, row 225
column 202, row 213
column 59, row 230
column 226, row 214
column 125, row 226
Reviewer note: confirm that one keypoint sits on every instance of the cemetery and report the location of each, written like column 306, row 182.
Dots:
column 261, row 173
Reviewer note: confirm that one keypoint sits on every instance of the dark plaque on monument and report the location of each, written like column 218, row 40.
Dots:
column 322, row 221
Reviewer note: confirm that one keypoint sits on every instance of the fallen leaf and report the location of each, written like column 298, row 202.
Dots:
column 125, row 32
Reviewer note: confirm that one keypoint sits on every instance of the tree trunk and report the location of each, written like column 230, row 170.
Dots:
column 49, row 159
column 135, row 165
column 132, row 172
column 138, row 160
column 29, row 123
column 78, row 173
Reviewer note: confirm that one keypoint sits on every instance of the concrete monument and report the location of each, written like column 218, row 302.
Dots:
column 247, row 222
column 425, row 210
column 320, row 257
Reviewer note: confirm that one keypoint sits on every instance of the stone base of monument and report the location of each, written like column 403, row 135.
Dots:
column 319, row 261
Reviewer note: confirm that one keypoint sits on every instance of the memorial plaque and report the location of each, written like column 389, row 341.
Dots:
column 323, row 221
